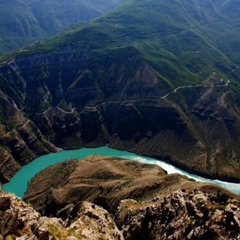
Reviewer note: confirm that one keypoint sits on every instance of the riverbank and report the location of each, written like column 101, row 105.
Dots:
column 19, row 182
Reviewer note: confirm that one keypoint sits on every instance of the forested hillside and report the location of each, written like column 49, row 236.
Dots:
column 23, row 21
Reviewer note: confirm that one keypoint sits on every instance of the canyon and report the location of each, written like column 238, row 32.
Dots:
column 156, row 78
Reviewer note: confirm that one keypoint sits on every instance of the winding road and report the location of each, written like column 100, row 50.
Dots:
column 126, row 101
column 14, row 130
column 60, row 109
column 165, row 96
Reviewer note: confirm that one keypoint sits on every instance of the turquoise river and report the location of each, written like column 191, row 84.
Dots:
column 18, row 183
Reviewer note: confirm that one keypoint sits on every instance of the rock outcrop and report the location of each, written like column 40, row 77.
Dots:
column 181, row 215
column 19, row 220
column 117, row 199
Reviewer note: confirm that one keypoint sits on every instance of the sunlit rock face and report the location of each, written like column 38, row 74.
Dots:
column 19, row 220
column 181, row 215
column 111, row 198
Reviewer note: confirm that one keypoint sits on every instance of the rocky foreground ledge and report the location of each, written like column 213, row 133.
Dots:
column 19, row 220
column 109, row 198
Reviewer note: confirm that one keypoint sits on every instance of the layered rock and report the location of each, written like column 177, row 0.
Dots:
column 152, row 87
column 72, row 111
column 21, row 141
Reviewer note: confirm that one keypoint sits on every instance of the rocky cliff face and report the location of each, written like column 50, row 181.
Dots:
column 181, row 215
column 156, row 88
column 20, row 139
column 59, row 106
column 126, row 200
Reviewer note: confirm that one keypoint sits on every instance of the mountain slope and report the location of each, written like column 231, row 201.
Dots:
column 23, row 22
column 152, row 77
column 18, row 25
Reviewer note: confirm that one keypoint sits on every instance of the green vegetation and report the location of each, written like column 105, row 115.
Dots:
column 180, row 43
column 23, row 22
column 183, row 42
column 140, row 73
